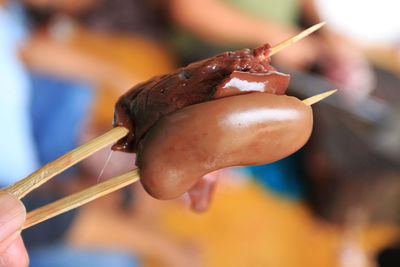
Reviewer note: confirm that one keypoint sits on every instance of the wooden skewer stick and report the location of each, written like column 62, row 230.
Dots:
column 78, row 199
column 106, row 187
column 46, row 172
column 316, row 98
column 275, row 49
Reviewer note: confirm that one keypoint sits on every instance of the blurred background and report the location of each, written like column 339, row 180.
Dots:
column 64, row 63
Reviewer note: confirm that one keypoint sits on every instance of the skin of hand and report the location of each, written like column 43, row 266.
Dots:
column 12, row 218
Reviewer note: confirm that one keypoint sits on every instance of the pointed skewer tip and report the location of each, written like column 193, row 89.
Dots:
column 275, row 49
column 316, row 98
column 319, row 25
column 308, row 31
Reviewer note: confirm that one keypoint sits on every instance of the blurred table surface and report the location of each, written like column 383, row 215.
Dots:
column 245, row 226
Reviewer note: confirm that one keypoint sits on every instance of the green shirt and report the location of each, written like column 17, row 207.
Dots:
column 284, row 11
column 191, row 48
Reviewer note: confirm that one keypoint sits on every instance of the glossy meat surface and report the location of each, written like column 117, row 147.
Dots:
column 251, row 129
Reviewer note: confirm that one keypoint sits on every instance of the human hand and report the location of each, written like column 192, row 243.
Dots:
column 12, row 218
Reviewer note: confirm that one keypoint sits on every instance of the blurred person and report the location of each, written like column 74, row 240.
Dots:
column 34, row 115
column 19, row 156
column 136, row 17
column 36, row 108
column 19, row 137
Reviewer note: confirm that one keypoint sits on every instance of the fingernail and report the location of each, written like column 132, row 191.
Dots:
column 12, row 215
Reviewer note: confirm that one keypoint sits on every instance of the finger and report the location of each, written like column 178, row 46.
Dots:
column 12, row 217
column 8, row 241
column 201, row 194
column 15, row 255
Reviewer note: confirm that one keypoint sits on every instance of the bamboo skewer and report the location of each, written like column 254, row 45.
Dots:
column 48, row 171
column 106, row 187
column 78, row 199
column 276, row 48
column 316, row 98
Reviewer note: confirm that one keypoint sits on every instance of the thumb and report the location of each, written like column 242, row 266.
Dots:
column 12, row 218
